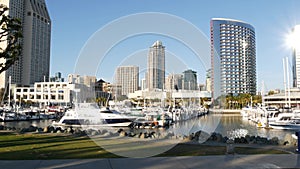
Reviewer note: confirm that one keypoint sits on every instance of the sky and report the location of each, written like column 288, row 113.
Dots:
column 76, row 22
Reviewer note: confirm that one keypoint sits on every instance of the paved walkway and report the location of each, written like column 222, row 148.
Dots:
column 199, row 162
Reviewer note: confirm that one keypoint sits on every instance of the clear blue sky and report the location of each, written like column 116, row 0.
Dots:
column 75, row 21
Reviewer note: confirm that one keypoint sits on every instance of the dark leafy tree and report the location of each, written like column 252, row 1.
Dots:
column 10, row 35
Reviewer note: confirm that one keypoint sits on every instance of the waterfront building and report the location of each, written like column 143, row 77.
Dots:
column 162, row 96
column 296, row 55
column 282, row 99
column 34, row 62
column 128, row 78
column 190, row 80
column 101, row 89
column 174, row 82
column 156, row 66
column 85, row 87
column 233, row 56
column 45, row 93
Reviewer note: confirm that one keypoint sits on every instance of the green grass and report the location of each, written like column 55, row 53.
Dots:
column 49, row 146
column 61, row 146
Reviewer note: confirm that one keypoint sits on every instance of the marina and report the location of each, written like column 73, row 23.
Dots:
column 230, row 125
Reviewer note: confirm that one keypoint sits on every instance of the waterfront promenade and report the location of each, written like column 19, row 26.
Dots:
column 195, row 162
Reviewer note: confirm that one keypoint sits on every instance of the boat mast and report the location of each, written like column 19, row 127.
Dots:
column 9, row 86
column 288, row 81
column 284, row 81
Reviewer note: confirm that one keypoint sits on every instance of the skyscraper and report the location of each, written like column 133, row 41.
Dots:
column 190, row 80
column 128, row 78
column 234, row 42
column 156, row 66
column 34, row 63
column 296, row 55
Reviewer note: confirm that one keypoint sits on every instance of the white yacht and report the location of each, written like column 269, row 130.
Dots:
column 286, row 120
column 89, row 115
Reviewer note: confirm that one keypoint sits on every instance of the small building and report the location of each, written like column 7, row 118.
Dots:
column 282, row 99
column 45, row 92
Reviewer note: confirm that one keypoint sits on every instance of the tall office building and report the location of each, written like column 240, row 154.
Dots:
column 128, row 78
column 34, row 62
column 190, row 80
column 296, row 55
column 156, row 66
column 234, row 42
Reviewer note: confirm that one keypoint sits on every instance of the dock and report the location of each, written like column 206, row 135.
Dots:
column 225, row 111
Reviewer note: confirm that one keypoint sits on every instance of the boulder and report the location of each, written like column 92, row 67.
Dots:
column 32, row 129
column 45, row 130
column 123, row 133
column 274, row 141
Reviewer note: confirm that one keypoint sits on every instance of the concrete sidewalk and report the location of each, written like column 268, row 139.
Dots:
column 198, row 162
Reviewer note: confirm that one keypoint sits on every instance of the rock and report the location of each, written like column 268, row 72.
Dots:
column 248, row 138
column 24, row 130
column 152, row 135
column 108, row 134
column 219, row 137
column 120, row 130
column 104, row 131
column 131, row 134
column 39, row 130
column 51, row 129
column 142, row 135
column 203, row 136
column 94, row 133
column 243, row 140
column 70, row 130
column 274, row 141
column 123, row 133
column 45, row 130
column 224, row 140
column 32, row 129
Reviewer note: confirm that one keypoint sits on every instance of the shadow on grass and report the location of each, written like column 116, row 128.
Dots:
column 31, row 146
column 29, row 139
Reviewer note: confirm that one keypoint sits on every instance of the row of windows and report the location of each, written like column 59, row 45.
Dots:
column 38, row 17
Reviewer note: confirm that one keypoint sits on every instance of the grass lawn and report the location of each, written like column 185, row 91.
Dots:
column 60, row 146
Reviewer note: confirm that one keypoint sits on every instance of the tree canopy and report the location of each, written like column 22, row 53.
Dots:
column 11, row 35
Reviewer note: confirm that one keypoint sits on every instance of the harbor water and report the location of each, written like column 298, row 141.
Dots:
column 230, row 125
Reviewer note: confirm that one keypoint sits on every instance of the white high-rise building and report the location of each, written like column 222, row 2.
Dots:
column 128, row 78
column 34, row 63
column 235, row 65
column 156, row 66
column 296, row 55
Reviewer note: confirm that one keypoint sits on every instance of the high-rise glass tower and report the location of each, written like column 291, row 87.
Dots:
column 128, row 78
column 190, row 80
column 233, row 42
column 34, row 63
column 296, row 55
column 156, row 66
